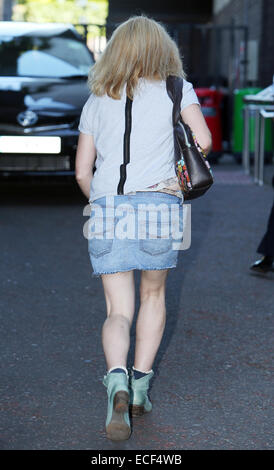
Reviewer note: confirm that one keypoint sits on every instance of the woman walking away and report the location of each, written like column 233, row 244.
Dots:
column 126, row 131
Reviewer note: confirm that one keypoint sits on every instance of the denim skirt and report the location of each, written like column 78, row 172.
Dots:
column 135, row 231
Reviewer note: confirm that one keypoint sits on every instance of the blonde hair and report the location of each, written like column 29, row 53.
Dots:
column 138, row 47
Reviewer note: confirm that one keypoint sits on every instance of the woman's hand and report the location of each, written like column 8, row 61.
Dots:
column 84, row 163
column 193, row 116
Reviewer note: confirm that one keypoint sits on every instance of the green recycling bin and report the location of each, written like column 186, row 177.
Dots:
column 238, row 123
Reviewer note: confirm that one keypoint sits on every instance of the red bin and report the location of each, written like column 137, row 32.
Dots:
column 210, row 100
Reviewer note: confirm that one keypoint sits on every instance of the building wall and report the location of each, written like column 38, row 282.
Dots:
column 162, row 10
column 213, row 56
column 173, row 14
column 243, row 12
column 266, row 62
column 218, row 5
column 258, row 15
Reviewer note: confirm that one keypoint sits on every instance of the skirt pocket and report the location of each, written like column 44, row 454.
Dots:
column 156, row 246
column 100, row 246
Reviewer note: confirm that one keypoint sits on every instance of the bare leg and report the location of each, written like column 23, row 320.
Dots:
column 119, row 292
column 151, row 318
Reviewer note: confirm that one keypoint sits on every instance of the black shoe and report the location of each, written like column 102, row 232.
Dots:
column 263, row 265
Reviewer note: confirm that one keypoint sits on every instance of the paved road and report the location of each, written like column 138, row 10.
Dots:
column 213, row 380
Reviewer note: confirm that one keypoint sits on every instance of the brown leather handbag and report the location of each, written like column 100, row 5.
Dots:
column 191, row 165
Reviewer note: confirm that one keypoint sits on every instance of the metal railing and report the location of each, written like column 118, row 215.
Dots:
column 262, row 112
column 259, row 155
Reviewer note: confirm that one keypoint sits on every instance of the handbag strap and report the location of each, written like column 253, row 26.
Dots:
column 174, row 86
column 123, row 169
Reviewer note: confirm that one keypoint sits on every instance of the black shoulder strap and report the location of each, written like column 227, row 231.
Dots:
column 123, row 169
column 174, row 86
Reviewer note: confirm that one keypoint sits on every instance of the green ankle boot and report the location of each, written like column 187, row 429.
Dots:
column 139, row 401
column 117, row 421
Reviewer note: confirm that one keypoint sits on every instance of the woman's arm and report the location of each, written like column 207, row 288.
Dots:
column 84, row 163
column 193, row 116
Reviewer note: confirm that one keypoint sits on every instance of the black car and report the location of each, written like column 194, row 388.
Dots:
column 43, row 87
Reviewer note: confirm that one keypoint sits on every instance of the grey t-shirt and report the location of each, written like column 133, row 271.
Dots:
column 151, row 139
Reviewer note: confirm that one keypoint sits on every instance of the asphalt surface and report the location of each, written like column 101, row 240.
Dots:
column 213, row 383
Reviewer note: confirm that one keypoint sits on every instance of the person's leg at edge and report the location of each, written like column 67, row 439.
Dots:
column 151, row 318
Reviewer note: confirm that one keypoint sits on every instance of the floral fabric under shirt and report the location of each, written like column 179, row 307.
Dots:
column 170, row 186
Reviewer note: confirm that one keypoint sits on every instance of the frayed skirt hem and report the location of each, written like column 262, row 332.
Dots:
column 97, row 274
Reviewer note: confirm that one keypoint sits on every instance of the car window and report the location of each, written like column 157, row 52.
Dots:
column 43, row 56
